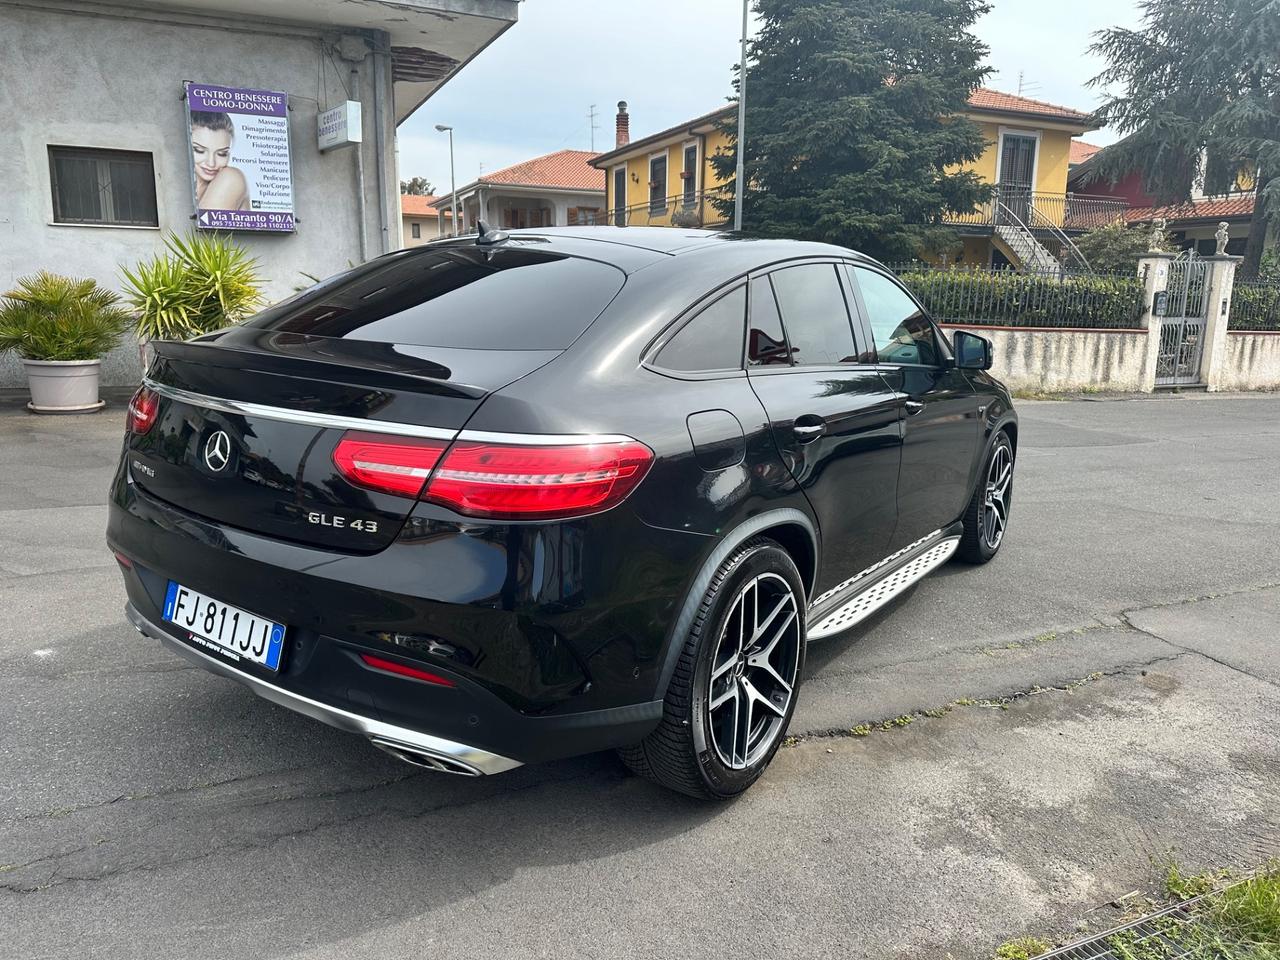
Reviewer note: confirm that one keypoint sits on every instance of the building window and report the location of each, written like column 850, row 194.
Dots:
column 658, row 183
column 415, row 230
column 585, row 216
column 620, row 197
column 115, row 187
column 690, row 174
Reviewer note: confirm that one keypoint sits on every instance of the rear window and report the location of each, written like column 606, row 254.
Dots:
column 463, row 297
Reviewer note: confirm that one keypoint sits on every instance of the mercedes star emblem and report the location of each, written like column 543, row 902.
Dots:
column 217, row 451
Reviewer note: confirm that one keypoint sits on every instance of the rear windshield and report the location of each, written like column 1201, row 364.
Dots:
column 509, row 298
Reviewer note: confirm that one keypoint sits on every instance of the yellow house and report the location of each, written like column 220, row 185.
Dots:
column 666, row 179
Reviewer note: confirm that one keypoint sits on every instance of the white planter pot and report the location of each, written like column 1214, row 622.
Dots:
column 63, row 386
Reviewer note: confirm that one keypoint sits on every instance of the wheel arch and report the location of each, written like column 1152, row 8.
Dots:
column 791, row 529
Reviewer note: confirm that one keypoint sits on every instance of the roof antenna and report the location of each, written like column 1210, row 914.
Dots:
column 486, row 237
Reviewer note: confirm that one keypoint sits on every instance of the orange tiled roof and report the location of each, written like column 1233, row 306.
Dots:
column 1215, row 208
column 564, row 170
column 986, row 99
column 412, row 205
column 1081, row 151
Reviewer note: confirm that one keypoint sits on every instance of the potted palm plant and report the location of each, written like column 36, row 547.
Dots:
column 198, row 284
column 60, row 327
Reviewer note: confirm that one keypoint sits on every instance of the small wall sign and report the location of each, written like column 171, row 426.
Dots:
column 1160, row 305
column 341, row 126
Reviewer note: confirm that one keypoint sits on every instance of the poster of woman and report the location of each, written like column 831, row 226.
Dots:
column 240, row 163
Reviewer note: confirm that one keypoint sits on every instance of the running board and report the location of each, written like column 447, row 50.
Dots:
column 877, row 594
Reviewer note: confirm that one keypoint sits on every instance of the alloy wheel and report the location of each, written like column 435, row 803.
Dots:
column 753, row 670
column 995, row 513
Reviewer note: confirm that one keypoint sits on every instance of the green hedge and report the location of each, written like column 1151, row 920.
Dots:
column 1255, row 306
column 1005, row 298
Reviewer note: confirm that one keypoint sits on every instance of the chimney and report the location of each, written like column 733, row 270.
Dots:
column 624, row 125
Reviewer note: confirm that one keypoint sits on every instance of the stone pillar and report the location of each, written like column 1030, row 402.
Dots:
column 1154, row 267
column 1219, row 282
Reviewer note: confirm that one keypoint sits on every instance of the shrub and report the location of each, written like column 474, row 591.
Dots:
column 1005, row 298
column 201, row 283
column 1116, row 247
column 1255, row 306
column 49, row 317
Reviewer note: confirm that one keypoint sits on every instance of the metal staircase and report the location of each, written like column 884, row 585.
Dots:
column 1031, row 255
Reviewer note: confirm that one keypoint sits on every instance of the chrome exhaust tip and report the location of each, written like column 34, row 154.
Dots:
column 440, row 763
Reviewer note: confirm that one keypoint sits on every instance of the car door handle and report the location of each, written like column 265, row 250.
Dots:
column 808, row 432
column 913, row 407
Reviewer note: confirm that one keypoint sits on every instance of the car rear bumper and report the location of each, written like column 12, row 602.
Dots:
column 447, row 756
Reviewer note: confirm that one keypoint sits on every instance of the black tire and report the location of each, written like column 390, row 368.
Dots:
column 976, row 545
column 681, row 754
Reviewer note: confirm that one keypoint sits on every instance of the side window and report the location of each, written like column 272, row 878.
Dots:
column 814, row 314
column 902, row 332
column 710, row 341
column 766, row 343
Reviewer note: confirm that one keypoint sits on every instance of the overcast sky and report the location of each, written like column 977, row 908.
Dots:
column 530, row 91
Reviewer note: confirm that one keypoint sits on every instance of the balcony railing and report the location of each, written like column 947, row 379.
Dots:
column 1071, row 212
column 693, row 209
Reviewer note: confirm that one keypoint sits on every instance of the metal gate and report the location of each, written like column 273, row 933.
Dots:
column 1182, row 328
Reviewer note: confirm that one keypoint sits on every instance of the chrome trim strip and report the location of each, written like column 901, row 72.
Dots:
column 879, row 593
column 306, row 417
column 841, row 587
column 543, row 439
column 472, row 758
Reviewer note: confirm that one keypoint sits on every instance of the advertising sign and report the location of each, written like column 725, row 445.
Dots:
column 340, row 127
column 241, row 175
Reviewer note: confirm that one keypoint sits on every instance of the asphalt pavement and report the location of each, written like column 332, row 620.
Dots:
column 1101, row 697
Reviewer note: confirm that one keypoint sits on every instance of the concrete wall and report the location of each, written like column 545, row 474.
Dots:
column 1252, row 361
column 1039, row 359
column 77, row 74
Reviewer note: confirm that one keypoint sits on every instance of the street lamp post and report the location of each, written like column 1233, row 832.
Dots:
column 739, row 185
column 453, row 183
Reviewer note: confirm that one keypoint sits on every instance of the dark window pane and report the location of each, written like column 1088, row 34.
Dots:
column 690, row 168
column 415, row 230
column 658, row 183
column 766, row 343
column 505, row 299
column 712, row 340
column 103, row 186
column 814, row 314
column 903, row 333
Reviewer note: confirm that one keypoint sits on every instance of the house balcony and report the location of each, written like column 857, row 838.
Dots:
column 692, row 209
column 1071, row 213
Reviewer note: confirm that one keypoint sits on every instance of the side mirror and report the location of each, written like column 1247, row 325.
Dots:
column 972, row 351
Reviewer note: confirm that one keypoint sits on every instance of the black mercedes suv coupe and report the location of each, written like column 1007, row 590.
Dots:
column 504, row 499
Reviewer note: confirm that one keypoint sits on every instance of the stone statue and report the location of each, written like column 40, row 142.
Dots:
column 1158, row 226
column 1222, row 236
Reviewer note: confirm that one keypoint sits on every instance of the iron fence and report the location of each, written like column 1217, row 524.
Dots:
column 987, row 297
column 1255, row 305
column 1070, row 212
column 693, row 209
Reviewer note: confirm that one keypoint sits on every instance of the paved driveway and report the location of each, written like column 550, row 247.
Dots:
column 153, row 810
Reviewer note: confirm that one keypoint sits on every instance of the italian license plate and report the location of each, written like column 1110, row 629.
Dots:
column 228, row 629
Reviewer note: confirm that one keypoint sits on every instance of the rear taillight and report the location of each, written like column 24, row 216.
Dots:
column 142, row 410
column 506, row 481
column 398, row 465
column 500, row 481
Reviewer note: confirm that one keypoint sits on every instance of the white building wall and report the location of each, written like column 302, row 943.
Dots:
column 94, row 75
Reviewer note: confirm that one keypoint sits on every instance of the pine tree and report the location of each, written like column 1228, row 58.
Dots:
column 1201, row 99
column 854, row 130
column 417, row 187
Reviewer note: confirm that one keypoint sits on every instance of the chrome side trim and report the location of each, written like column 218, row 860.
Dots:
column 543, row 439
column 877, row 594
column 306, row 417
column 841, row 587
column 384, row 735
